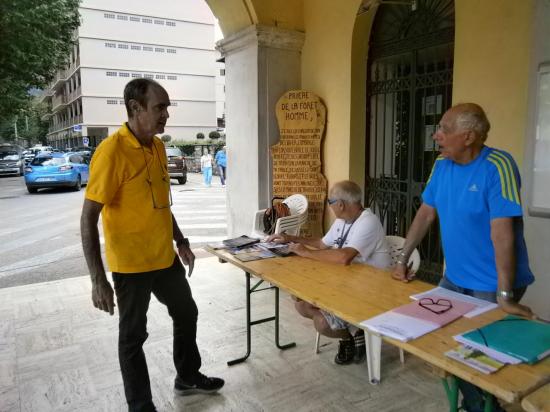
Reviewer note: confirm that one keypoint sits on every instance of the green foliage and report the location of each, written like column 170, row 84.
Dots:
column 166, row 138
column 200, row 135
column 30, row 125
column 187, row 149
column 214, row 135
column 36, row 38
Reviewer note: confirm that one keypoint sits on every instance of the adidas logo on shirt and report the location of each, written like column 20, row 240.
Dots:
column 473, row 188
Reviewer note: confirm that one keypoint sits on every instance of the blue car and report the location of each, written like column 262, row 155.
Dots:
column 55, row 170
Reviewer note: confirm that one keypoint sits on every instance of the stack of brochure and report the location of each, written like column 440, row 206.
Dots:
column 510, row 340
column 411, row 321
column 475, row 359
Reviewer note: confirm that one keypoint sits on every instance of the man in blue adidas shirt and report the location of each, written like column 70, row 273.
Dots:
column 475, row 191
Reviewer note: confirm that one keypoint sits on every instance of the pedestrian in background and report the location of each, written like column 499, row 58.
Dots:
column 130, row 187
column 206, row 167
column 221, row 161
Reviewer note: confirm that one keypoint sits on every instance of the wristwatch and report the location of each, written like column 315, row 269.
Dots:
column 182, row 242
column 506, row 294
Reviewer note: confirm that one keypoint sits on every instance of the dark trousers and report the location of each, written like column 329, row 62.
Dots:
column 133, row 292
column 221, row 170
column 473, row 400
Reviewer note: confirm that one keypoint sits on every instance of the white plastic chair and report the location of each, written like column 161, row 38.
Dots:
column 290, row 225
column 395, row 243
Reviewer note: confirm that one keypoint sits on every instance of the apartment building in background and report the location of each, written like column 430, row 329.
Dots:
column 169, row 41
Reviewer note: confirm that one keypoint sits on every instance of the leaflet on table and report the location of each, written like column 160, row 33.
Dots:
column 480, row 305
column 411, row 321
column 241, row 241
column 475, row 359
column 260, row 251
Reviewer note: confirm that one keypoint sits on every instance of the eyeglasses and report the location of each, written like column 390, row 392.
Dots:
column 438, row 307
column 165, row 179
column 332, row 201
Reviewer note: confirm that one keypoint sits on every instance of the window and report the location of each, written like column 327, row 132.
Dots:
column 222, row 72
column 161, row 22
column 147, row 48
column 111, row 74
column 112, row 45
column 173, row 51
column 122, row 46
column 121, row 17
column 121, row 101
column 173, row 103
column 144, row 20
column 133, row 18
column 110, row 101
column 171, row 23
column 135, row 47
column 149, row 76
column 159, row 49
column 136, row 75
column 170, row 77
column 160, row 76
column 539, row 202
column 123, row 74
column 109, row 16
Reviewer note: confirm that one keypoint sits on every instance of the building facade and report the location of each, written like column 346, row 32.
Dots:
column 386, row 72
column 171, row 42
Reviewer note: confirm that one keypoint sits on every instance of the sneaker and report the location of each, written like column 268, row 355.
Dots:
column 198, row 384
column 346, row 351
column 360, row 348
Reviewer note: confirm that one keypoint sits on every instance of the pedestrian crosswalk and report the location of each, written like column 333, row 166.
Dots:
column 40, row 234
column 200, row 211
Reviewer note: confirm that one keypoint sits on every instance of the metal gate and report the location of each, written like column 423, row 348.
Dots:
column 409, row 86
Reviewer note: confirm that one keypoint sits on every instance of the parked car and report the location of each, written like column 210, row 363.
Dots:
column 86, row 151
column 11, row 160
column 177, row 169
column 55, row 170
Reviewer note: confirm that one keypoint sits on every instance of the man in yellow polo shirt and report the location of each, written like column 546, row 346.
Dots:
column 129, row 186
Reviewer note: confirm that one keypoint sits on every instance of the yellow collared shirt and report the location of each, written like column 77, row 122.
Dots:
column 133, row 184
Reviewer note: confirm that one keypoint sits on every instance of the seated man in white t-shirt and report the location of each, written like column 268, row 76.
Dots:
column 355, row 236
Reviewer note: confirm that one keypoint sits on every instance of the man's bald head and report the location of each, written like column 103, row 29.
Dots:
column 471, row 117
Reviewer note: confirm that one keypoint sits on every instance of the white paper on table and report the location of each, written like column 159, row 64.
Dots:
column 482, row 306
column 495, row 354
column 399, row 326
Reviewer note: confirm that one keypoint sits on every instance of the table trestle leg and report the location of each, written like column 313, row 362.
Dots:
column 451, row 389
column 250, row 323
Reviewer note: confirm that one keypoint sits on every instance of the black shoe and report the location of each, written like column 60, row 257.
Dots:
column 197, row 384
column 346, row 351
column 360, row 348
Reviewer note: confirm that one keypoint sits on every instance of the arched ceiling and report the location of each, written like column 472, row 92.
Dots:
column 236, row 15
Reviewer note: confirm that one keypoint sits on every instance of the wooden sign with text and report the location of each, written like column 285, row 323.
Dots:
column 297, row 157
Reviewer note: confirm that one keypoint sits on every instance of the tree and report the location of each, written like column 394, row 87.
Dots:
column 200, row 136
column 214, row 135
column 36, row 38
column 166, row 138
column 27, row 124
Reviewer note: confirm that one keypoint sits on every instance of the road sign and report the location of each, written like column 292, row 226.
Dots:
column 77, row 128
column 85, row 141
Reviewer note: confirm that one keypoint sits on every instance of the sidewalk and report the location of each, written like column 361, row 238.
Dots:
column 59, row 353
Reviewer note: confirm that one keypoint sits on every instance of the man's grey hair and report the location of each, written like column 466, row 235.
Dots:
column 137, row 90
column 347, row 191
column 471, row 117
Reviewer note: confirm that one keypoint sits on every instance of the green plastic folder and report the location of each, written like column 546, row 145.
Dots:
column 527, row 340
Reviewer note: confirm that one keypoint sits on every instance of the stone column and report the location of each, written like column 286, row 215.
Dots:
column 261, row 63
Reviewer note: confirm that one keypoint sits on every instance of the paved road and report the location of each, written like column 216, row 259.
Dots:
column 40, row 234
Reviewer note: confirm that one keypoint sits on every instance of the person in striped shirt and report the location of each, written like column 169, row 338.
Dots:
column 474, row 190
